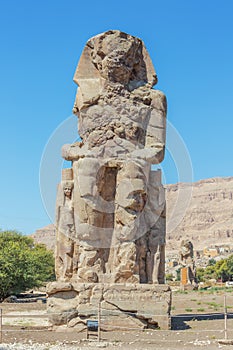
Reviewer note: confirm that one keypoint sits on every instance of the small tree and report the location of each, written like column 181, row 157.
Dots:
column 211, row 262
column 23, row 264
column 229, row 264
column 210, row 272
column 221, row 269
column 224, row 269
column 200, row 274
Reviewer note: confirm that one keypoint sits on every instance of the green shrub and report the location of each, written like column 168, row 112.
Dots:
column 23, row 264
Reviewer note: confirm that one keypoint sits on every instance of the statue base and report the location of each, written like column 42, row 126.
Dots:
column 120, row 306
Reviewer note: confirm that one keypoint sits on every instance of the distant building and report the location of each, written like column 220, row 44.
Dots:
column 211, row 252
column 224, row 249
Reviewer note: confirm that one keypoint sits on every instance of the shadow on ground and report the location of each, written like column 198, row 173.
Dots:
column 178, row 322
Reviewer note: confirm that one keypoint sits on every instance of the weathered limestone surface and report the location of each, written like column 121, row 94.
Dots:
column 111, row 216
column 122, row 305
column 207, row 220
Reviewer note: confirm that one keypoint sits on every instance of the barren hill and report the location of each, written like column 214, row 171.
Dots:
column 45, row 235
column 208, row 217
column 201, row 211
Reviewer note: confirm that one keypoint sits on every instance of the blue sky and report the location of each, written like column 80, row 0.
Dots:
column 191, row 46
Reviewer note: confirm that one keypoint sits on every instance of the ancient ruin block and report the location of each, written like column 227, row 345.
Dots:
column 122, row 305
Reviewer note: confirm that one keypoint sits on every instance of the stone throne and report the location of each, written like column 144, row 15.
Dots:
column 111, row 217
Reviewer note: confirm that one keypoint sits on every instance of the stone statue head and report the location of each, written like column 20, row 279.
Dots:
column 113, row 57
column 186, row 249
column 67, row 188
column 117, row 56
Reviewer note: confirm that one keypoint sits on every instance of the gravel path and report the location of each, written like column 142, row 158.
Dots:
column 58, row 346
column 193, row 345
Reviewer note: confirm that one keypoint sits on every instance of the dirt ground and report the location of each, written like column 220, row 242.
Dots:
column 197, row 321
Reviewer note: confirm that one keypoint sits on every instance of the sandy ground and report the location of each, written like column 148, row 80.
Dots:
column 197, row 321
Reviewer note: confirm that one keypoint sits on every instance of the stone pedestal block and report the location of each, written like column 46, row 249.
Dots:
column 123, row 306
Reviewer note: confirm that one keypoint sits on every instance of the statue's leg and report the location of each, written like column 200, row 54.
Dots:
column 156, row 255
column 142, row 253
column 129, row 225
column 94, row 215
column 161, row 268
column 64, row 257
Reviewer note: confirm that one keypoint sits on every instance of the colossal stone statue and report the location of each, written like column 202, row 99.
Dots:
column 118, row 201
column 111, row 221
column 187, row 261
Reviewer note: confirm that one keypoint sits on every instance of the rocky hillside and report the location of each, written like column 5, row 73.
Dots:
column 45, row 235
column 201, row 211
